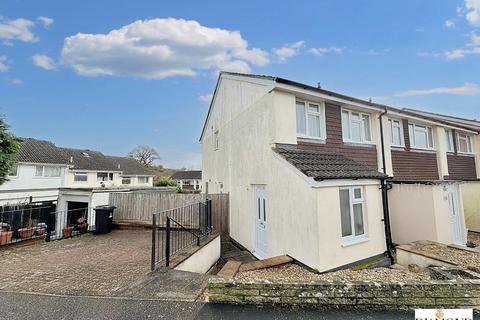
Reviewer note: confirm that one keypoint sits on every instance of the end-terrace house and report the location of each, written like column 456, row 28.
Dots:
column 300, row 182
column 305, row 169
column 188, row 180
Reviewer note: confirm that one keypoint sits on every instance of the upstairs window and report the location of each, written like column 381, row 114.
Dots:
column 47, row 171
column 421, row 137
column 356, row 127
column 351, row 211
column 464, row 143
column 449, row 138
column 104, row 176
column 396, row 133
column 80, row 177
column 310, row 120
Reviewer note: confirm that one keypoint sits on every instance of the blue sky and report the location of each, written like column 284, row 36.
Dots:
column 112, row 75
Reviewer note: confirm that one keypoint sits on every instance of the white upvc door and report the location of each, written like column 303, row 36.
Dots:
column 453, row 203
column 260, row 213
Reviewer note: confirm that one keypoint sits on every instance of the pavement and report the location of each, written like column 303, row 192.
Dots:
column 25, row 306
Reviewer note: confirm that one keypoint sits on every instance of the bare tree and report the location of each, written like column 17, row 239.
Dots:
column 145, row 155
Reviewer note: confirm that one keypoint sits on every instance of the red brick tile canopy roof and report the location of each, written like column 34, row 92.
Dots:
column 322, row 165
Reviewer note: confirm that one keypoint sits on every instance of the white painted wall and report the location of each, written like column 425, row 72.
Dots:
column 202, row 260
column 471, row 202
column 302, row 221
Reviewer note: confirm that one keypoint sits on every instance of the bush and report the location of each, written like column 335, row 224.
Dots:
column 166, row 182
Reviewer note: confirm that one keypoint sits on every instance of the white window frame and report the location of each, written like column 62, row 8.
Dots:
column 411, row 135
column 391, row 125
column 109, row 175
column 449, row 140
column 363, row 139
column 353, row 238
column 80, row 174
column 321, row 114
column 127, row 178
column 468, row 140
column 42, row 175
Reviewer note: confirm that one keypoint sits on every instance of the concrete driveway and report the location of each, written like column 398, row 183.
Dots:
column 97, row 265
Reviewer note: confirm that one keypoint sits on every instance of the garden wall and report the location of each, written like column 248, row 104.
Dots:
column 433, row 294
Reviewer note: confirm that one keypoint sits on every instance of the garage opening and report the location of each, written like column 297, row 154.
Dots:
column 77, row 213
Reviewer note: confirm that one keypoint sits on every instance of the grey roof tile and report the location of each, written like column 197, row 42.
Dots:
column 325, row 165
column 187, row 174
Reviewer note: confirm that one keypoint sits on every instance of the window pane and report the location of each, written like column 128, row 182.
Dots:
column 357, row 193
column 396, row 136
column 38, row 171
column 102, row 176
column 420, row 137
column 356, row 131
column 313, row 125
column 366, row 127
column 52, row 172
column 448, row 136
column 469, row 144
column 80, row 177
column 411, row 135
column 345, row 125
column 358, row 218
column 301, row 126
column 345, row 213
column 313, row 108
column 462, row 144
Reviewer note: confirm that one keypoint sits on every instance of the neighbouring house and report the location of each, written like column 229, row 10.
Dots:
column 317, row 175
column 188, row 180
column 71, row 181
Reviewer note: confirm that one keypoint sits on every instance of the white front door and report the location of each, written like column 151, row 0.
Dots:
column 455, row 214
column 259, row 198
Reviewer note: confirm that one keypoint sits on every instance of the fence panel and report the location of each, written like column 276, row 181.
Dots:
column 220, row 213
column 139, row 206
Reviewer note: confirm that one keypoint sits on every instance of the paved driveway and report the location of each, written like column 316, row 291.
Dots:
column 85, row 265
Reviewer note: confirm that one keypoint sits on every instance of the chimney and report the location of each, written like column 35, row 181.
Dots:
column 71, row 159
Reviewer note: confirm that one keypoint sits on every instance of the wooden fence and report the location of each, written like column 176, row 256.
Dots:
column 138, row 207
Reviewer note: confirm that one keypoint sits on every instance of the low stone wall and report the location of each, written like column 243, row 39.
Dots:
column 441, row 294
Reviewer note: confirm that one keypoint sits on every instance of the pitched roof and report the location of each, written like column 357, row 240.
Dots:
column 192, row 174
column 41, row 151
column 321, row 165
column 130, row 166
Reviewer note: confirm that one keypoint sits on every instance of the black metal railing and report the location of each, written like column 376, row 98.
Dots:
column 23, row 222
column 176, row 229
column 67, row 223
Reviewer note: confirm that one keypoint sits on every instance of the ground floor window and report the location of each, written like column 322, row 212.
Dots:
column 126, row 180
column 80, row 177
column 143, row 179
column 352, row 212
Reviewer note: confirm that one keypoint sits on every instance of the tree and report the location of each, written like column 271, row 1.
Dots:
column 8, row 151
column 145, row 155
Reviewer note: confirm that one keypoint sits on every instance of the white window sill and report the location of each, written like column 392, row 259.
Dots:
column 354, row 241
column 311, row 139
column 465, row 153
column 393, row 146
column 359, row 144
column 423, row 150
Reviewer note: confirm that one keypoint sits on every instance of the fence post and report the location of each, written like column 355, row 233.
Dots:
column 153, row 265
column 209, row 215
column 167, row 243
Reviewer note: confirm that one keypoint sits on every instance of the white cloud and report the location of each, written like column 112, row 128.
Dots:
column 473, row 47
column 321, row 51
column 205, row 97
column 288, row 51
column 160, row 48
column 18, row 29
column 46, row 21
column 43, row 61
column 16, row 81
column 374, row 52
column 472, row 8
column 468, row 89
column 449, row 24
column 177, row 159
column 4, row 64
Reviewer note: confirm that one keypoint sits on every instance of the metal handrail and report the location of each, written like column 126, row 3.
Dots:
column 184, row 228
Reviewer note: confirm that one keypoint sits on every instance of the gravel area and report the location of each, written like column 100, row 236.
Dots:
column 461, row 257
column 474, row 237
column 295, row 273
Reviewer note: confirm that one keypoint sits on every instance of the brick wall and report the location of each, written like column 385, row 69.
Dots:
column 432, row 294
